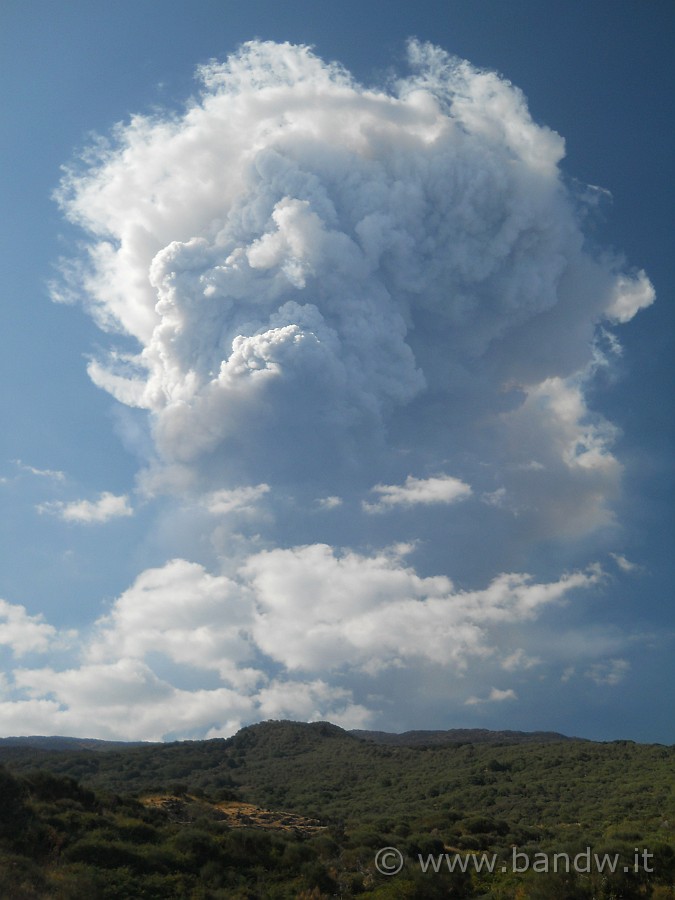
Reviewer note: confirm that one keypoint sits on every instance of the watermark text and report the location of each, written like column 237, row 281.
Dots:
column 390, row 861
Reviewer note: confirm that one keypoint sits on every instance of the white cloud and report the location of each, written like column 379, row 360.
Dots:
column 519, row 660
column 630, row 296
column 120, row 699
column 496, row 695
column 183, row 652
column 609, row 673
column 571, row 489
column 318, row 610
column 86, row 512
column 242, row 499
column 183, row 612
column 126, row 700
column 40, row 473
column 418, row 491
column 22, row 632
column 624, row 564
column 341, row 258
column 329, row 502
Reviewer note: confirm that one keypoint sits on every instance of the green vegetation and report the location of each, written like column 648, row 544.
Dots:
column 165, row 821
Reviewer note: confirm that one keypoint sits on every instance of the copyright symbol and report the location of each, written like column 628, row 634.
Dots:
column 388, row 861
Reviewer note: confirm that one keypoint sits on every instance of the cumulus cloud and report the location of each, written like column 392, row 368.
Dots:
column 127, row 700
column 495, row 696
column 315, row 288
column 630, row 296
column 331, row 502
column 314, row 609
column 87, row 512
column 22, row 632
column 183, row 612
column 416, row 491
column 121, row 698
column 185, row 652
column 318, row 610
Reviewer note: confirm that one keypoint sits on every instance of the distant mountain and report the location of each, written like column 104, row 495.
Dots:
column 460, row 736
column 285, row 735
column 68, row 744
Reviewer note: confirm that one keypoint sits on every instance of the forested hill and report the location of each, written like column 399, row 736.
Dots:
column 322, row 770
column 289, row 810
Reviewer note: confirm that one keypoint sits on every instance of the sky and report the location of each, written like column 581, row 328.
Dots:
column 337, row 361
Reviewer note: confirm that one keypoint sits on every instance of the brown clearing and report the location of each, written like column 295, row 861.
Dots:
column 233, row 813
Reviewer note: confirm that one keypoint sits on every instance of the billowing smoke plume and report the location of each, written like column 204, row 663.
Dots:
column 367, row 307
column 300, row 257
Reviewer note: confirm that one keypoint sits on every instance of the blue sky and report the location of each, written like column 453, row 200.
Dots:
column 395, row 447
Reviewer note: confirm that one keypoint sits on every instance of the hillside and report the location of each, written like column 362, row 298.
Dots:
column 348, row 797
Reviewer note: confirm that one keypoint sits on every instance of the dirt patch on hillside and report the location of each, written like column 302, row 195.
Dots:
column 233, row 813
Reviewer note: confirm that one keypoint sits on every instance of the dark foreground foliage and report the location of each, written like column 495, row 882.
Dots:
column 80, row 824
